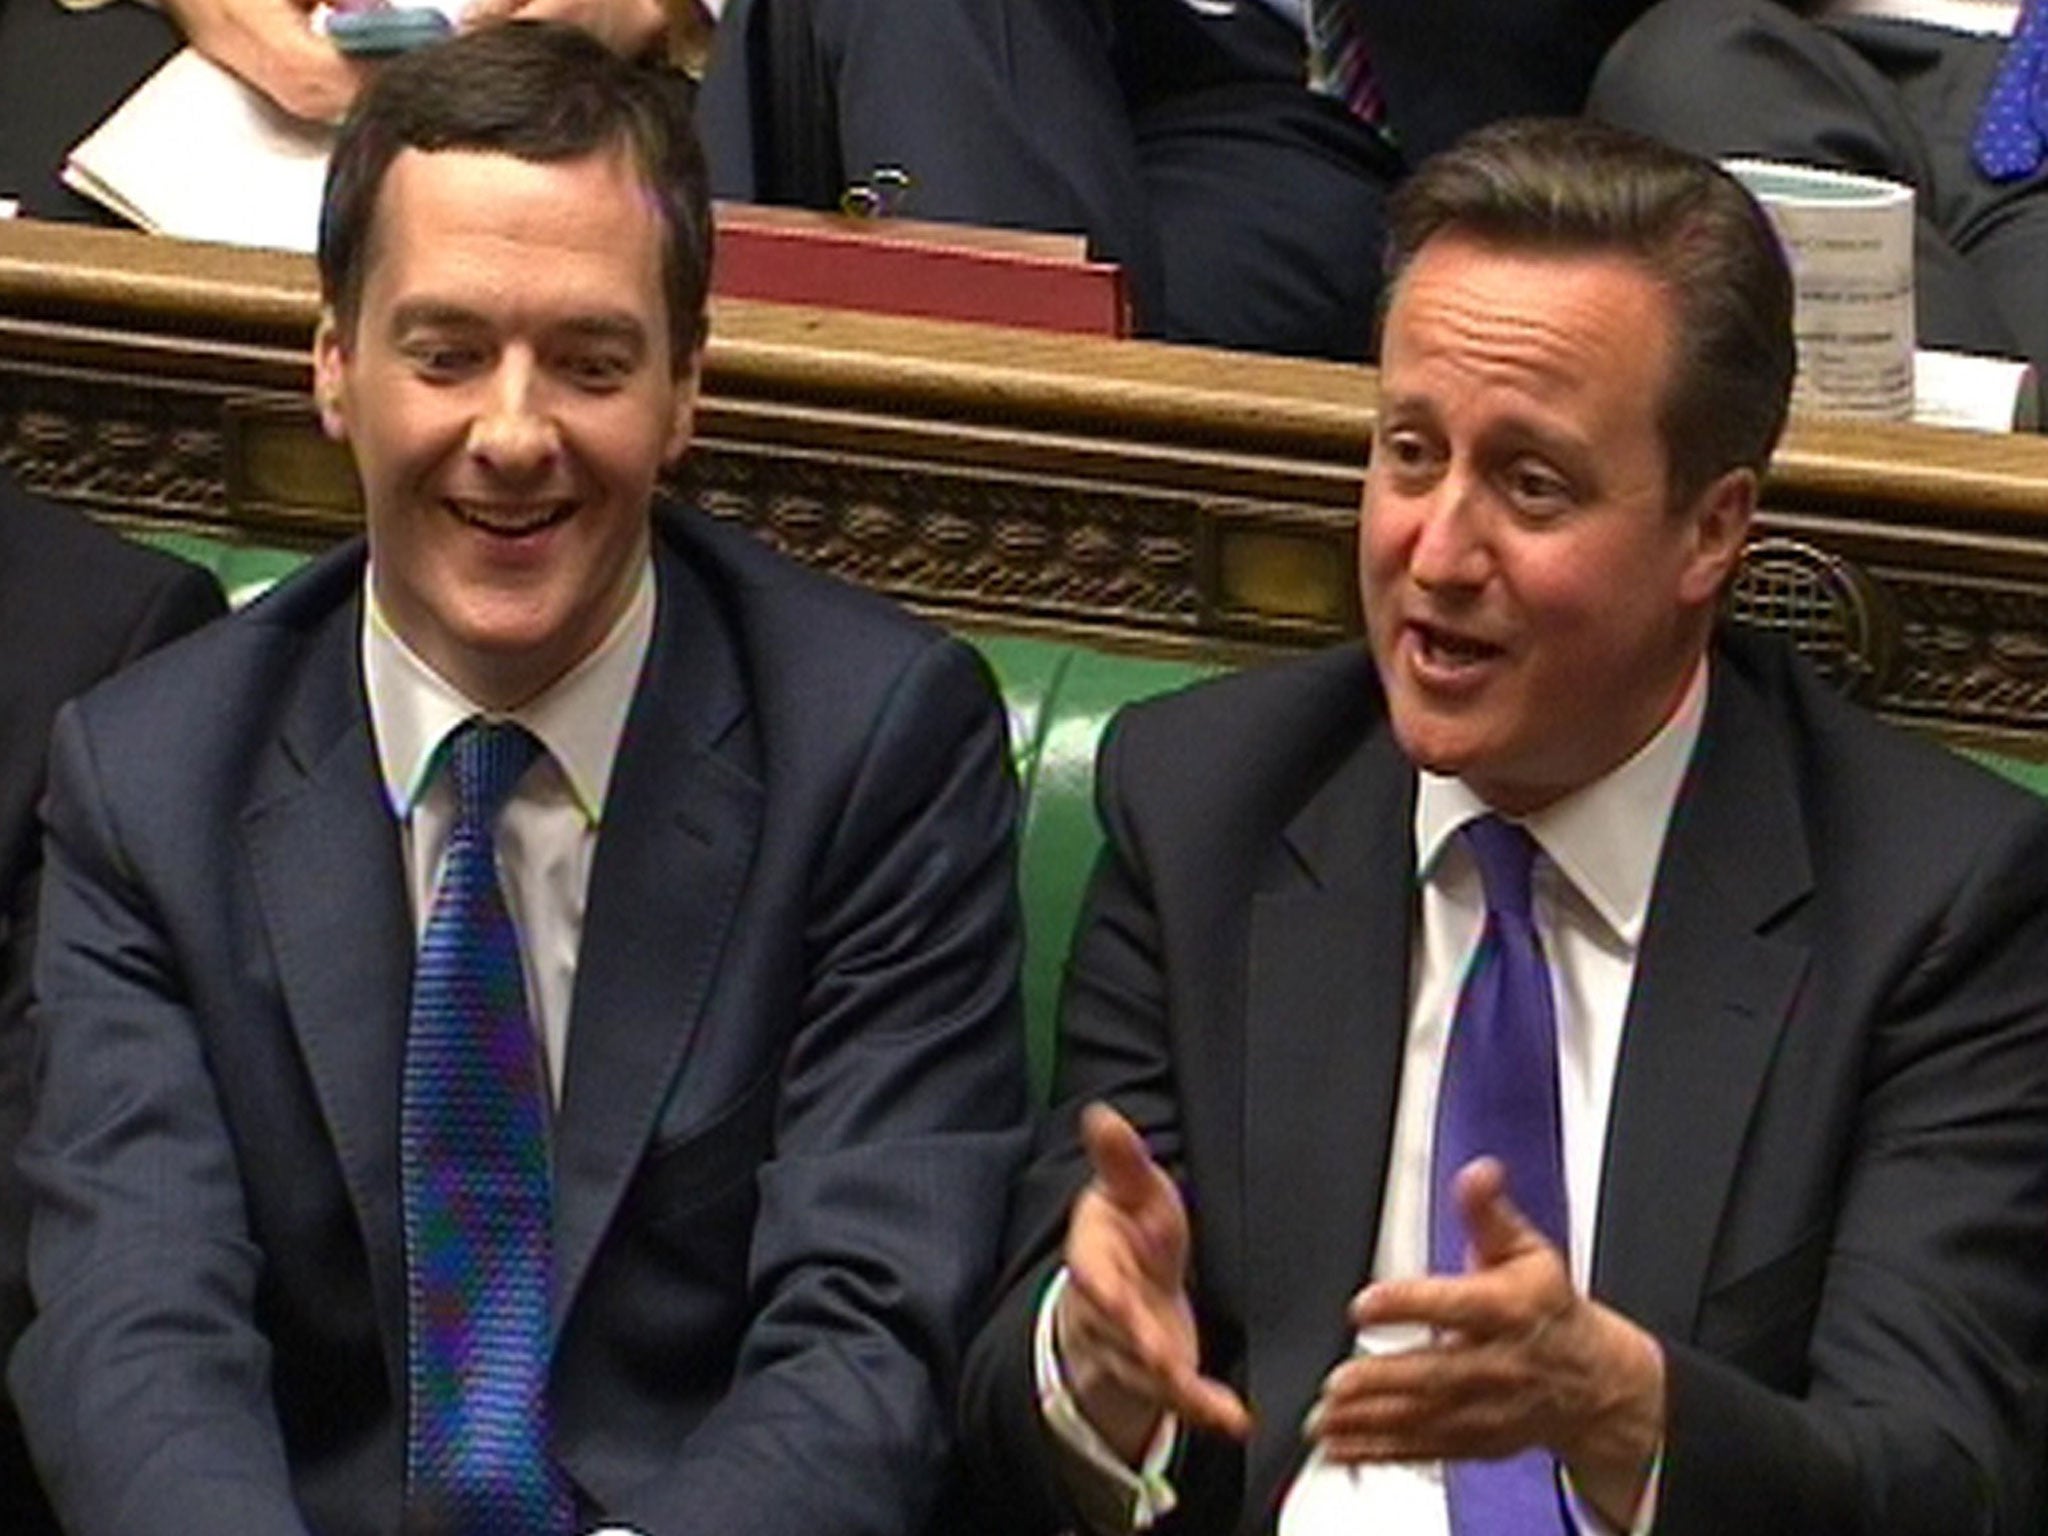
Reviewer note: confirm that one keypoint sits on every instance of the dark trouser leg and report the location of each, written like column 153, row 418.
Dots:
column 1268, row 201
column 1271, row 208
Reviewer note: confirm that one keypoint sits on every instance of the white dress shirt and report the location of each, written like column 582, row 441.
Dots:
column 1600, row 849
column 547, row 834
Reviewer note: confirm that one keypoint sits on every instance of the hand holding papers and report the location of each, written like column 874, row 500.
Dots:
column 197, row 154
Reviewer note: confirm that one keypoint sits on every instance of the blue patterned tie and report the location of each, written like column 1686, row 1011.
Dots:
column 473, row 1137
column 1499, row 1099
column 2012, row 125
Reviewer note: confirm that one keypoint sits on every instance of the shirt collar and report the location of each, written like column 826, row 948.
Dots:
column 579, row 717
column 1606, row 838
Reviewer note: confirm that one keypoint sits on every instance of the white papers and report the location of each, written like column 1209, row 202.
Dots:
column 197, row 154
column 1850, row 242
column 1981, row 394
column 1330, row 1500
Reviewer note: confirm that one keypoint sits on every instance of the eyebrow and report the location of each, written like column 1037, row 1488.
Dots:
column 437, row 314
column 603, row 327
column 433, row 314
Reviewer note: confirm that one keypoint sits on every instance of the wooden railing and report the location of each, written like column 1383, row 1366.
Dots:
column 1169, row 498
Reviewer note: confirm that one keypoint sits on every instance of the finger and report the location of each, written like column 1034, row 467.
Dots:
column 1469, row 1308
column 1117, row 1153
column 1114, row 1301
column 1138, row 1344
column 1495, row 1227
column 1205, row 1403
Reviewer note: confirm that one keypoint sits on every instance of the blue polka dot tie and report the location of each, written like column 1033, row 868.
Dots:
column 1499, row 1099
column 476, row 1182
column 2012, row 125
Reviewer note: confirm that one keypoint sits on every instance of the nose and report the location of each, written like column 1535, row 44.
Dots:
column 1449, row 548
column 513, row 433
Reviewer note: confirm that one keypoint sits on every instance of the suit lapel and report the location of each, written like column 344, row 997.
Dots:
column 1326, row 1012
column 1713, row 989
column 324, row 853
column 680, row 828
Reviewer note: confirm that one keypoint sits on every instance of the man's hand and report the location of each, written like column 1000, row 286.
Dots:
column 268, row 44
column 1520, row 1359
column 1124, row 1327
column 628, row 27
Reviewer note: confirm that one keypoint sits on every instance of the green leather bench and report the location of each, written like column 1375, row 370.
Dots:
column 1059, row 695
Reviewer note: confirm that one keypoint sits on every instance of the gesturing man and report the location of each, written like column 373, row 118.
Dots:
column 1557, row 1066
column 528, row 1009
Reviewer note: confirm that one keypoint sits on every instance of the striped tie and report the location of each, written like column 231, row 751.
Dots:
column 476, row 1183
column 1338, row 64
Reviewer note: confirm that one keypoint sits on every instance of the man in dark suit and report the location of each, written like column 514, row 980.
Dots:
column 1179, row 135
column 763, row 1078
column 76, row 603
column 1751, row 1241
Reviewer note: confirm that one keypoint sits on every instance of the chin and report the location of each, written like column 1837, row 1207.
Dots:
column 1435, row 745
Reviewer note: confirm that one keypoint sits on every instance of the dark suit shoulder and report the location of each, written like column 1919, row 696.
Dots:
column 784, row 601
column 1862, row 778
column 242, row 654
column 1267, row 736
column 818, row 654
column 81, row 599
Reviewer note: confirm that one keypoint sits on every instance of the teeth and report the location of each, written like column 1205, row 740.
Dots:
column 508, row 521
column 1454, row 647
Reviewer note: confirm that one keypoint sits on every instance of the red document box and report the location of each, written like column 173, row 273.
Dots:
column 905, row 267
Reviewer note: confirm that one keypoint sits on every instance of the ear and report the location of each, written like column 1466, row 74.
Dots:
column 1719, row 518
column 684, row 419
column 330, row 376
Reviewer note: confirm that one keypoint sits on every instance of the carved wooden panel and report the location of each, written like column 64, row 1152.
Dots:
column 1168, row 497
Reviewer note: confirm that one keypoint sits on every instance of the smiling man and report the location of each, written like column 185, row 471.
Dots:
column 1558, row 1067
column 528, row 1010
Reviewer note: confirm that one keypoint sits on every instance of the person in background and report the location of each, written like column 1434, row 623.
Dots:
column 1236, row 157
column 66, row 64
column 1942, row 95
column 1557, row 1066
column 529, row 1007
column 76, row 604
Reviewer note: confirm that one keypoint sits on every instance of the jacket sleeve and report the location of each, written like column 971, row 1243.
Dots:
column 144, row 1383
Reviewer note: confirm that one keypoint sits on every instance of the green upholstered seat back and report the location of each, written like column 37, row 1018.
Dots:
column 1060, row 697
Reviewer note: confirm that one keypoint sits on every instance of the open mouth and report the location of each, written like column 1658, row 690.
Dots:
column 1448, row 648
column 508, row 520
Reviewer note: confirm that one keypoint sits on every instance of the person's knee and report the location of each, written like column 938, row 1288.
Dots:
column 1673, row 56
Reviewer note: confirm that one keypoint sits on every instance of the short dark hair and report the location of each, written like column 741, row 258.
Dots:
column 537, row 91
column 1575, row 187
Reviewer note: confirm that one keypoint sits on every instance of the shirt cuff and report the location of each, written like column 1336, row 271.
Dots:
column 1588, row 1521
column 1111, row 1494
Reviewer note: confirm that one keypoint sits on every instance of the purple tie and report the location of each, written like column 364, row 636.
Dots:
column 2012, row 125
column 477, row 1188
column 1499, row 1099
